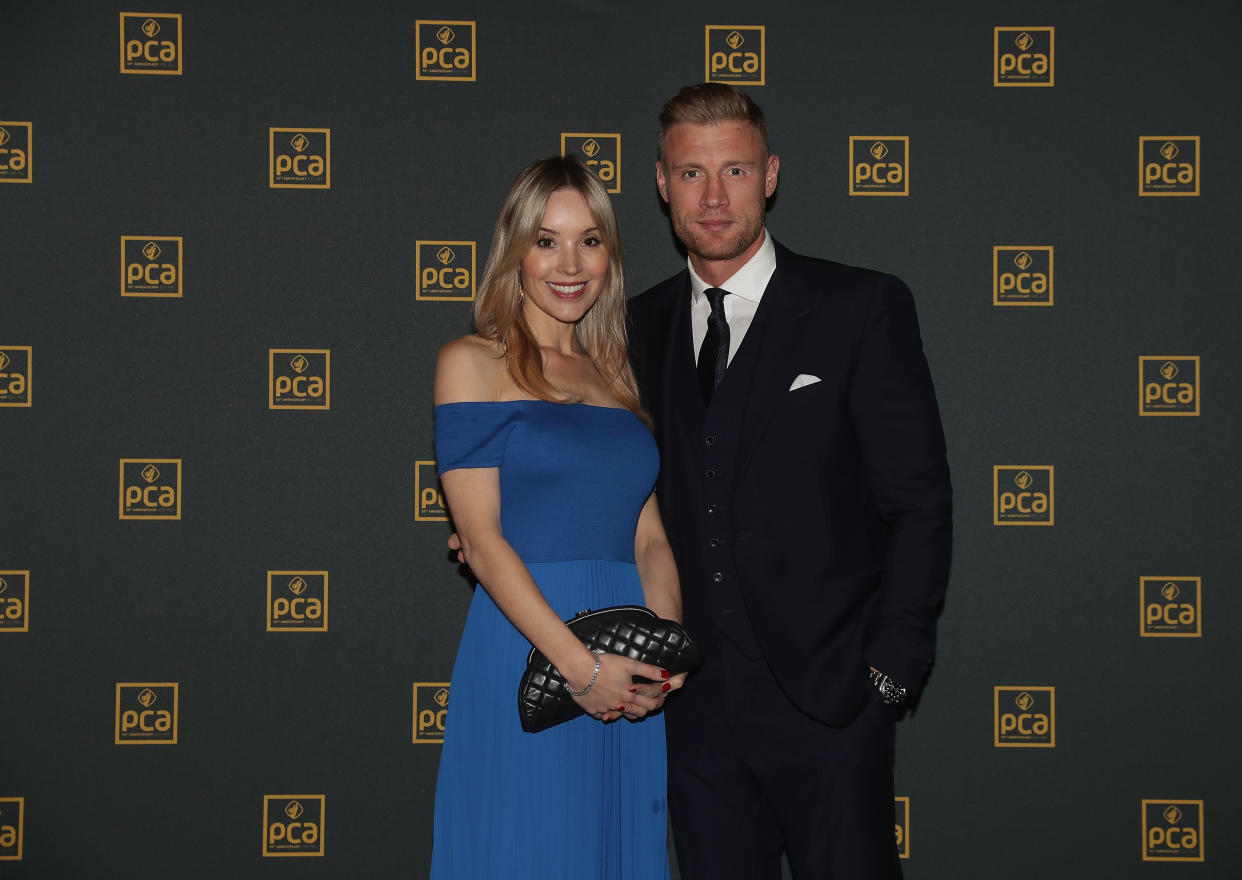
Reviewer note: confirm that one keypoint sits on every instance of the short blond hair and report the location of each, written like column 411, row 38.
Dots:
column 711, row 104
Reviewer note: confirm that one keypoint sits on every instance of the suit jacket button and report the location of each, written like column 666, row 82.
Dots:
column 711, row 508
column 710, row 439
column 718, row 577
column 711, row 474
column 714, row 543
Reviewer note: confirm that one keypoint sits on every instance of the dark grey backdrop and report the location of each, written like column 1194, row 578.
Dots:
column 272, row 713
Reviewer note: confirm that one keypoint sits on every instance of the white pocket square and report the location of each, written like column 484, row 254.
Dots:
column 803, row 380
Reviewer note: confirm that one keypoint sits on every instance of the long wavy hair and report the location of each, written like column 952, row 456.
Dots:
column 498, row 312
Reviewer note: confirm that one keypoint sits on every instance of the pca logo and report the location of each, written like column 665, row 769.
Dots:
column 735, row 55
column 1023, row 56
column 16, row 140
column 299, row 158
column 1025, row 717
column 879, row 165
column 146, row 713
column 1022, row 276
column 431, row 699
column 299, row 378
column 600, row 152
column 151, row 265
column 427, row 495
column 901, row 826
column 297, row 601
column 150, row 488
column 1170, row 607
column 445, row 270
column 15, row 365
column 1168, row 386
column 1172, row 831
column 293, row 825
column 1169, row 166
column 14, row 601
column 151, row 43
column 445, row 50
column 1022, row 495
column 12, row 822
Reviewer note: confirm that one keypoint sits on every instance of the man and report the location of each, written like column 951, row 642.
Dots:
column 806, row 493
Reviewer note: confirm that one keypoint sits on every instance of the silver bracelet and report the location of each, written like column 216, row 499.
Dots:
column 590, row 684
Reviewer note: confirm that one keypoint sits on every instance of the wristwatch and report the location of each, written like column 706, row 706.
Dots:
column 887, row 690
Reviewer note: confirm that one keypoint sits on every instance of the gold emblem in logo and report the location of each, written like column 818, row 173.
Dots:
column 150, row 27
column 4, row 136
column 441, row 697
column 1024, row 41
column 1170, row 591
column 445, row 35
column 1023, row 480
column 1169, row 150
column 299, row 142
column 4, row 360
column 734, row 40
column 1023, row 260
column 150, row 473
column 445, row 255
column 1024, row 701
column 299, row 364
column 151, row 250
column 293, row 809
column 878, row 150
column 146, row 697
column 1169, row 370
column 590, row 147
column 297, row 586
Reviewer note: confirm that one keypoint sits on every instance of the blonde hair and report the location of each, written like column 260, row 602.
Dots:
column 711, row 104
column 498, row 312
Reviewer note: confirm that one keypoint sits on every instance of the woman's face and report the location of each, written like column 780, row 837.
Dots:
column 563, row 273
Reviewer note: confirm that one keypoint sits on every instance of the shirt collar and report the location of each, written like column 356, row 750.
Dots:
column 748, row 282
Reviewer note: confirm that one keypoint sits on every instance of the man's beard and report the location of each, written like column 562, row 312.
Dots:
column 702, row 244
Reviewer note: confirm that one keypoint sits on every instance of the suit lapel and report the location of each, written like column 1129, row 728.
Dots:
column 782, row 324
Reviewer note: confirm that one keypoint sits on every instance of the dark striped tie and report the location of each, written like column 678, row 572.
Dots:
column 714, row 354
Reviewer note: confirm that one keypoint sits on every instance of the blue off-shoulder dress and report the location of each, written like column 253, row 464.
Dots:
column 582, row 800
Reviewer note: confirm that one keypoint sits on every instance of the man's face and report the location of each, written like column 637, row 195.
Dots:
column 716, row 182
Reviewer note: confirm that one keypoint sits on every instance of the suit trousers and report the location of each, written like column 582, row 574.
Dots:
column 752, row 776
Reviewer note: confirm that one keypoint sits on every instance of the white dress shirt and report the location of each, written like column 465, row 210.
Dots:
column 745, row 287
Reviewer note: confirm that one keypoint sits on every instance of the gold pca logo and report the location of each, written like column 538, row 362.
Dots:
column 151, row 265
column 879, row 165
column 445, row 270
column 297, row 601
column 445, row 50
column 1023, row 56
column 299, row 378
column 1170, row 607
column 15, row 365
column 1025, row 717
column 901, row 826
column 431, row 699
column 735, row 55
column 1169, row 165
column 1021, row 276
column 146, row 713
column 12, row 822
column 293, row 825
column 1022, row 495
column 14, row 601
column 150, row 488
column 1172, row 830
column 15, row 152
column 151, row 43
column 600, row 152
column 1168, row 386
column 428, row 498
column 299, row 158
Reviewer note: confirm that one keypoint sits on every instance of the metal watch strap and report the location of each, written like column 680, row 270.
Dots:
column 887, row 690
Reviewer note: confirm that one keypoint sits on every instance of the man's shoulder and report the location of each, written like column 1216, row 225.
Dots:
column 660, row 296
column 796, row 263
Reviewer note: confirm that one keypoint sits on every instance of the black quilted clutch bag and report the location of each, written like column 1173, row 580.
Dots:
column 628, row 630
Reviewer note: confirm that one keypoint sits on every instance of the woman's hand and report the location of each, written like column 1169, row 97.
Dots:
column 615, row 694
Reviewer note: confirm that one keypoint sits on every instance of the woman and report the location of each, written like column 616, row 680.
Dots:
column 548, row 470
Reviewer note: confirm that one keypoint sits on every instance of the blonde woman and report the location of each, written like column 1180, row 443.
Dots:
column 547, row 467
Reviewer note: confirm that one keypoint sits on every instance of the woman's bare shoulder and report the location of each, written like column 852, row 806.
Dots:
column 469, row 368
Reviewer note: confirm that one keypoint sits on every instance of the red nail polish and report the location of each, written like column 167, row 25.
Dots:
column 666, row 687
column 663, row 673
column 633, row 690
column 621, row 708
